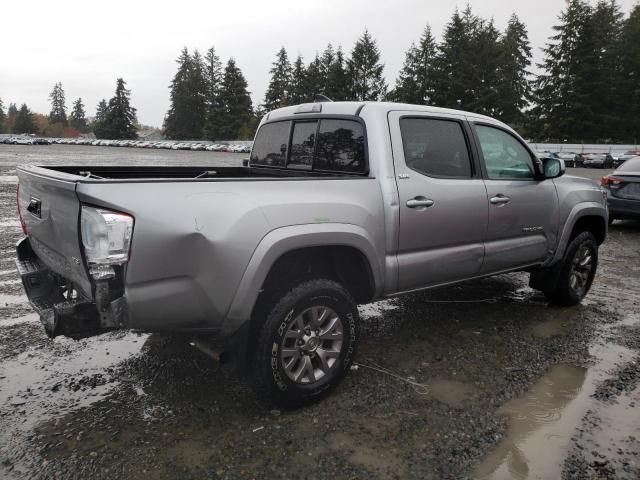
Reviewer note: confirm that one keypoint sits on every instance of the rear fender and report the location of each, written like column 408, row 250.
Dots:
column 283, row 240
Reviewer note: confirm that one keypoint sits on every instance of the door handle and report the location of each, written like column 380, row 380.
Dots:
column 499, row 199
column 419, row 202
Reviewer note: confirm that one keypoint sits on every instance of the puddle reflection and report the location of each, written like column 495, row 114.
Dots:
column 542, row 421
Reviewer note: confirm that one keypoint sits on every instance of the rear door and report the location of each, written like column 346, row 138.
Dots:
column 523, row 209
column 51, row 212
column 443, row 201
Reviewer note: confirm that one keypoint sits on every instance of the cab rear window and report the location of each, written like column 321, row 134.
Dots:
column 340, row 146
column 328, row 144
column 271, row 145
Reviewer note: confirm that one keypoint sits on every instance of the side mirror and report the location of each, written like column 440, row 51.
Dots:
column 553, row 167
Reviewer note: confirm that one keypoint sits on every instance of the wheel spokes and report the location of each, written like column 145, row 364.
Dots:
column 324, row 356
column 311, row 345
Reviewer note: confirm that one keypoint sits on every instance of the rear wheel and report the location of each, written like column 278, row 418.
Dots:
column 306, row 344
column 577, row 271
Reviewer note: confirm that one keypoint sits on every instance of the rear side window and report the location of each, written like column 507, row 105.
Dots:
column 436, row 148
column 303, row 143
column 270, row 147
column 340, row 146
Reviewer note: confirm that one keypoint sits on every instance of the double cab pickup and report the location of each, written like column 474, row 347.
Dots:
column 340, row 204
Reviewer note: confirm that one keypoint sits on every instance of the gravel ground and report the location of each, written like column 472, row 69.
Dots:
column 481, row 380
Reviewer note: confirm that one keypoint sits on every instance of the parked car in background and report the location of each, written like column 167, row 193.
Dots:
column 623, row 158
column 24, row 141
column 623, row 190
column 601, row 160
column 570, row 159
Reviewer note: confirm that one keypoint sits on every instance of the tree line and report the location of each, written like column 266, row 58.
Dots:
column 587, row 88
column 115, row 119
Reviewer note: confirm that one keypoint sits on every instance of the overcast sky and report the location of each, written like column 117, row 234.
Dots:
column 87, row 47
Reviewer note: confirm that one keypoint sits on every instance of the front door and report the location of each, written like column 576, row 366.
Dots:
column 443, row 201
column 523, row 209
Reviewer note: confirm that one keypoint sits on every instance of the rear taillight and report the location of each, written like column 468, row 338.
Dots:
column 608, row 181
column 22, row 224
column 106, row 237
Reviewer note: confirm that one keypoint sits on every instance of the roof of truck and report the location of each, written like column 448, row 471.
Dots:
column 354, row 108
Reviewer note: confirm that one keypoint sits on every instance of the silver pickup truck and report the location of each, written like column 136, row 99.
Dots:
column 340, row 204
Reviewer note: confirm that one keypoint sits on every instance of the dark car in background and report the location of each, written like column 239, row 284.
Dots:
column 602, row 160
column 623, row 190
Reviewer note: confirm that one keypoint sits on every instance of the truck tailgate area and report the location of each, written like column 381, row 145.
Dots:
column 50, row 211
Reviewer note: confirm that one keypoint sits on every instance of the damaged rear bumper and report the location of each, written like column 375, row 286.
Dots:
column 64, row 310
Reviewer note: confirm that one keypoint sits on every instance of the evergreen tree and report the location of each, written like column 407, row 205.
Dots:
column 337, row 82
column 236, row 103
column 366, row 71
column 415, row 82
column 24, row 121
column 562, row 106
column 3, row 118
column 484, row 78
column 101, row 116
column 326, row 60
column 456, row 63
column 190, row 91
column 279, row 89
column 215, row 109
column 601, row 49
column 628, row 89
column 178, row 123
column 12, row 113
column 298, row 93
column 314, row 83
column 58, row 108
column 120, row 119
column 515, row 85
column 77, row 118
column 199, row 95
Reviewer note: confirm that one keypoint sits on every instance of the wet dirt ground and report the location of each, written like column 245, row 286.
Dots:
column 483, row 380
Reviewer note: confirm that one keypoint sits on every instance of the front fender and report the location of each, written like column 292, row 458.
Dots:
column 580, row 210
column 282, row 240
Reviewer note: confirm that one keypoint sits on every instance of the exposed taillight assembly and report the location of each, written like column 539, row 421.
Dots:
column 609, row 181
column 106, row 237
column 22, row 224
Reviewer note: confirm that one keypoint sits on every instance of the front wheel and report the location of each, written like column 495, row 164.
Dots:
column 306, row 343
column 577, row 271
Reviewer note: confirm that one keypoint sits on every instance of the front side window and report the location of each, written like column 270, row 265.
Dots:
column 436, row 148
column 340, row 146
column 270, row 146
column 303, row 142
column 504, row 156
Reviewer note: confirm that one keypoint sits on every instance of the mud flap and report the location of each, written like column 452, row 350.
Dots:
column 545, row 279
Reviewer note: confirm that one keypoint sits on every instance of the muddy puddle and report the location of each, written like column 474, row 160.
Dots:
column 543, row 421
column 33, row 382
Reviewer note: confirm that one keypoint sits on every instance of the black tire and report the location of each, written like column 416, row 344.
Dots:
column 611, row 220
column 268, row 375
column 566, row 292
